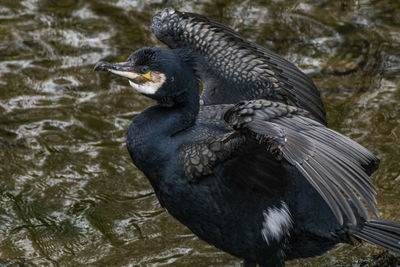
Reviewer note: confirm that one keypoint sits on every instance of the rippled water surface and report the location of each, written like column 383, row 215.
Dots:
column 69, row 194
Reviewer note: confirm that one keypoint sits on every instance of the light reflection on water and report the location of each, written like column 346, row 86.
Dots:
column 69, row 193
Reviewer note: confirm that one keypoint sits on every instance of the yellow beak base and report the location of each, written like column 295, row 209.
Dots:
column 147, row 75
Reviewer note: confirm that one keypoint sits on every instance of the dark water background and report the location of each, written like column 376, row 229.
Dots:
column 69, row 194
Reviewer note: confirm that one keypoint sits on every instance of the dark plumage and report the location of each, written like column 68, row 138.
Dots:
column 245, row 70
column 249, row 166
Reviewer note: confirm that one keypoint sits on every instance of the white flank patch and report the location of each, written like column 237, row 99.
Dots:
column 150, row 87
column 277, row 222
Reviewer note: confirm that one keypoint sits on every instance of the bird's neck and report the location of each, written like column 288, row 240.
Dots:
column 180, row 111
column 152, row 132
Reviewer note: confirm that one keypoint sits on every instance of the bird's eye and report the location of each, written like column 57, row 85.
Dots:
column 145, row 69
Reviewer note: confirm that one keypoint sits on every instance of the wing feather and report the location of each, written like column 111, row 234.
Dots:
column 233, row 69
column 332, row 163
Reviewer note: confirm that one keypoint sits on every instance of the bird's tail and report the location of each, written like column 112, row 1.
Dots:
column 382, row 233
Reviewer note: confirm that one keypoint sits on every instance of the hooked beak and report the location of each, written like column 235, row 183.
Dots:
column 123, row 69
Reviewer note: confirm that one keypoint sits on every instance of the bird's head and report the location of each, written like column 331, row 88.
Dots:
column 155, row 72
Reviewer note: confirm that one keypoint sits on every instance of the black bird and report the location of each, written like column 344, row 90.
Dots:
column 249, row 166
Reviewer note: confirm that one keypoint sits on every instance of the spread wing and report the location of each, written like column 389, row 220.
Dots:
column 263, row 134
column 233, row 69
column 332, row 163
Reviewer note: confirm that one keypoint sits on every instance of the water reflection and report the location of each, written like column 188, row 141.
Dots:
column 69, row 193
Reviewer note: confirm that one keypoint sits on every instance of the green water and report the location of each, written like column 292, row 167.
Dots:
column 69, row 194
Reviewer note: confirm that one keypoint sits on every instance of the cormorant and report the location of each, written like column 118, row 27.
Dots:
column 249, row 166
